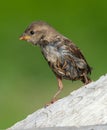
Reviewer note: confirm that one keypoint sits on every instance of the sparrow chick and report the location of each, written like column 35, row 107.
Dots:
column 63, row 56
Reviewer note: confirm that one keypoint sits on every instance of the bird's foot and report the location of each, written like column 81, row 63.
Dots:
column 51, row 102
column 89, row 81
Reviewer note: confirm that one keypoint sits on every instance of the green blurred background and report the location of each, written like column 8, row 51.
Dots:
column 26, row 81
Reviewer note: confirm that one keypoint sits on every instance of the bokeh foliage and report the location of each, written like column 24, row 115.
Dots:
column 26, row 81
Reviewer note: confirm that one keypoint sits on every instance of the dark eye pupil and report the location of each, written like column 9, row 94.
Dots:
column 32, row 32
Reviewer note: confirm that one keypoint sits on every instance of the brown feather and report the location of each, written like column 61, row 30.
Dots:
column 63, row 56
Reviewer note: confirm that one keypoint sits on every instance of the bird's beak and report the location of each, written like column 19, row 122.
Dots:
column 24, row 38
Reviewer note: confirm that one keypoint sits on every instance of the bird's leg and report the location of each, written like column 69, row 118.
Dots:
column 86, row 79
column 60, row 87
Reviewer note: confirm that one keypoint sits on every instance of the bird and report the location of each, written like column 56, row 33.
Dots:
column 63, row 56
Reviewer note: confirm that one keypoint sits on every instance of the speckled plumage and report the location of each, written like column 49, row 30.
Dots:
column 63, row 56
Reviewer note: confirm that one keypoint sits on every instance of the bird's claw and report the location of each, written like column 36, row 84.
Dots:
column 51, row 102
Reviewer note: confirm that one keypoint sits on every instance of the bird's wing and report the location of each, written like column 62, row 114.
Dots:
column 75, row 51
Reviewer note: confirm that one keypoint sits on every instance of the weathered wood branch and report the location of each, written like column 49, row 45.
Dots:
column 86, row 106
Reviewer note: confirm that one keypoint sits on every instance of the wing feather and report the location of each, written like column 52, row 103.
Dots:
column 78, row 59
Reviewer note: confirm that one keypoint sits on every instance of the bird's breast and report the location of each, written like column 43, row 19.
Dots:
column 51, row 53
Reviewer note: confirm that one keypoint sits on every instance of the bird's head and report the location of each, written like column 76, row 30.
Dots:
column 38, row 32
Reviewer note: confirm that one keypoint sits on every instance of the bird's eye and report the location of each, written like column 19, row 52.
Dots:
column 32, row 32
